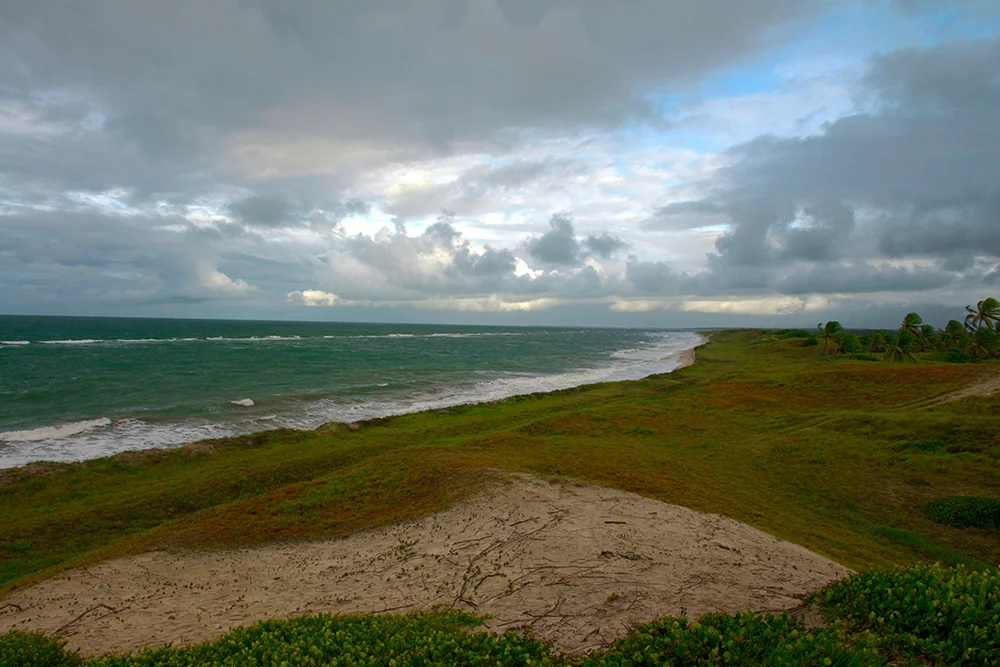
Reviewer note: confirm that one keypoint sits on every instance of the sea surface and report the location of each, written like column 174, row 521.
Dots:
column 80, row 388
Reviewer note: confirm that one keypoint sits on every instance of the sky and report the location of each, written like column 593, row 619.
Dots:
column 549, row 162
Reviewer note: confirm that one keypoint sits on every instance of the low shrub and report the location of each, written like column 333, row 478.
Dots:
column 413, row 639
column 795, row 333
column 964, row 511
column 858, row 356
column 21, row 649
column 740, row 639
column 926, row 612
column 957, row 356
column 810, row 341
column 928, row 446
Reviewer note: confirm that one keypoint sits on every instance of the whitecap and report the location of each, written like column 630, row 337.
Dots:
column 15, row 342
column 49, row 432
column 243, row 402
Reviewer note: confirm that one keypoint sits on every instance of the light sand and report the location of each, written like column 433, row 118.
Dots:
column 576, row 563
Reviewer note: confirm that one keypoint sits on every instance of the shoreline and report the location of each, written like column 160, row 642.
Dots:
column 683, row 358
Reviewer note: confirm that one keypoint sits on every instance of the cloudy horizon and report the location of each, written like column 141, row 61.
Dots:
column 577, row 162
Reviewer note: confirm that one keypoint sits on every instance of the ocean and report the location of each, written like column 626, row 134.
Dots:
column 81, row 388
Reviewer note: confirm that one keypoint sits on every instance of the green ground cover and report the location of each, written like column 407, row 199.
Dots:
column 837, row 454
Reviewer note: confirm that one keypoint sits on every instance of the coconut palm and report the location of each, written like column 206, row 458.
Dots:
column 928, row 337
column 899, row 347
column 877, row 342
column 986, row 313
column 982, row 343
column 828, row 333
column 953, row 334
column 912, row 323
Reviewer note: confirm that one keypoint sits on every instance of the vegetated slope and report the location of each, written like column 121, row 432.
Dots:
column 824, row 453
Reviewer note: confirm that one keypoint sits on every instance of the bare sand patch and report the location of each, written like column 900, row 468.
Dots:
column 576, row 563
column 985, row 387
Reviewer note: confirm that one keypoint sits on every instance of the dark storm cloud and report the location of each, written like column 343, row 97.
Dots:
column 916, row 177
column 558, row 245
column 172, row 76
column 861, row 278
column 685, row 215
column 604, row 246
column 561, row 246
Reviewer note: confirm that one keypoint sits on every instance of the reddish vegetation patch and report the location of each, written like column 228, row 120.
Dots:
column 861, row 385
column 748, row 396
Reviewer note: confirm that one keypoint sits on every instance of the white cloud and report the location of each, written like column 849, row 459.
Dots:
column 312, row 297
column 216, row 282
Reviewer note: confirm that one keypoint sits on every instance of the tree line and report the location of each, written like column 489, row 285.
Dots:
column 975, row 339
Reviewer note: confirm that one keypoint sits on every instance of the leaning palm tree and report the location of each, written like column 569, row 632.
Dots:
column 877, row 342
column 953, row 334
column 898, row 348
column 928, row 337
column 982, row 343
column 986, row 313
column 912, row 323
column 828, row 333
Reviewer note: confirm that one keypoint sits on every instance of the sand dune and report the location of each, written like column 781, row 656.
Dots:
column 575, row 563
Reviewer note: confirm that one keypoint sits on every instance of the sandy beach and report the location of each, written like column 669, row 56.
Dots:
column 576, row 563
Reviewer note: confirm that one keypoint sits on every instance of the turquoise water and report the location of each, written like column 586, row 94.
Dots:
column 77, row 388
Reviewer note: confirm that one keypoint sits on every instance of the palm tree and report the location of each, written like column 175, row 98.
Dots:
column 986, row 313
column 899, row 346
column 928, row 337
column 877, row 342
column 953, row 334
column 912, row 323
column 982, row 343
column 828, row 334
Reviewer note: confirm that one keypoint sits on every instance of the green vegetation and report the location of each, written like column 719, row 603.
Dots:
column 926, row 612
column 965, row 511
column 739, row 639
column 975, row 340
column 856, row 459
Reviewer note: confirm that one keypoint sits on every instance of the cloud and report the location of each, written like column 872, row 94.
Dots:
column 312, row 297
column 213, row 281
column 270, row 154
column 560, row 246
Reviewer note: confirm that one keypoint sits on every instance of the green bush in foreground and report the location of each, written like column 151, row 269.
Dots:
column 741, row 639
column 964, row 511
column 442, row 639
column 19, row 648
column 413, row 639
column 946, row 616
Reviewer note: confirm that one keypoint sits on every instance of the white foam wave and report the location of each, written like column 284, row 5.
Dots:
column 81, row 341
column 49, row 432
column 243, row 402
column 250, row 339
column 15, row 342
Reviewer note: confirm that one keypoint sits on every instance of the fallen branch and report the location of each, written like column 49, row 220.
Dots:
column 110, row 609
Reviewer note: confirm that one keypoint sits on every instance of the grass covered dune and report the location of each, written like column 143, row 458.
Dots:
column 867, row 463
